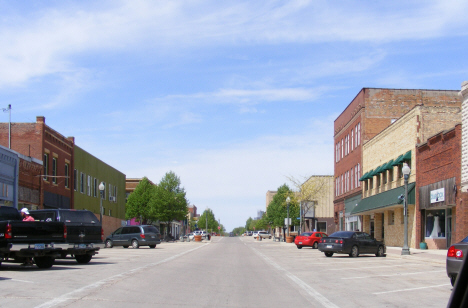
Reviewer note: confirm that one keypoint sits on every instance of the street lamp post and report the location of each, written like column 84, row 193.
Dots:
column 101, row 190
column 287, row 221
column 406, row 172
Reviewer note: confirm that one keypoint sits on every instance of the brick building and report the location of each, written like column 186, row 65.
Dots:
column 368, row 114
column 39, row 141
column 383, row 183
column 441, row 219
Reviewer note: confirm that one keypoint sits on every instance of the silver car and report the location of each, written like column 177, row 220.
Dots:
column 455, row 255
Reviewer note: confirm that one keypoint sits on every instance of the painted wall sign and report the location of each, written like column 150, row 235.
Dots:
column 438, row 195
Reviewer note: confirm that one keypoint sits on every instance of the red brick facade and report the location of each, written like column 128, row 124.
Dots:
column 36, row 140
column 438, row 160
column 372, row 110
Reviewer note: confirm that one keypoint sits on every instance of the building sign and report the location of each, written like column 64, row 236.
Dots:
column 438, row 195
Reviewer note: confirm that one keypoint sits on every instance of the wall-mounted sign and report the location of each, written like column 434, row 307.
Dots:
column 438, row 195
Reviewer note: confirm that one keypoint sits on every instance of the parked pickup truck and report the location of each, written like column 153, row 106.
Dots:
column 84, row 231
column 21, row 240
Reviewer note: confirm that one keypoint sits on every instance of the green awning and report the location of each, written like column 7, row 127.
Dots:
column 384, row 199
column 388, row 166
column 407, row 156
column 367, row 175
column 364, row 177
column 398, row 161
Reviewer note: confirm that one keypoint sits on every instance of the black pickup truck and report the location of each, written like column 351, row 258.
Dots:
column 21, row 240
column 84, row 231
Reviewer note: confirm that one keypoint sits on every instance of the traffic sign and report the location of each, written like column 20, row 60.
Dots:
column 219, row 227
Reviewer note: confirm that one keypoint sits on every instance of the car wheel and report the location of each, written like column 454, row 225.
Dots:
column 152, row 246
column 125, row 246
column 453, row 279
column 44, row 262
column 354, row 252
column 135, row 244
column 380, row 252
column 109, row 244
column 299, row 247
column 83, row 259
column 315, row 245
column 329, row 254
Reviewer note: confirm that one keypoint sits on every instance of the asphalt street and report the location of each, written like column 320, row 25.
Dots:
column 229, row 272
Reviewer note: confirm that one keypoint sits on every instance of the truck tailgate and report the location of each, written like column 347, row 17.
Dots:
column 83, row 233
column 36, row 231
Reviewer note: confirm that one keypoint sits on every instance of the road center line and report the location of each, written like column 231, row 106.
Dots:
column 308, row 289
column 412, row 289
column 72, row 295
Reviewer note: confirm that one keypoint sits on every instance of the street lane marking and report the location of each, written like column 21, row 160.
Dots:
column 22, row 280
column 391, row 275
column 73, row 294
column 308, row 289
column 412, row 289
column 382, row 266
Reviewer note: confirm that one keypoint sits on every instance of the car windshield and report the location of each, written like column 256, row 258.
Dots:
column 344, row 234
column 306, row 234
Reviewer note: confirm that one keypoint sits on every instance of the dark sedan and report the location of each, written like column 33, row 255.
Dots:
column 455, row 256
column 352, row 243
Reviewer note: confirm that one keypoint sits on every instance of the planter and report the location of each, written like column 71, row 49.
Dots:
column 197, row 238
column 423, row 245
column 289, row 239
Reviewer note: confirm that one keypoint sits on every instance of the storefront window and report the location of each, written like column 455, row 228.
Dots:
column 435, row 223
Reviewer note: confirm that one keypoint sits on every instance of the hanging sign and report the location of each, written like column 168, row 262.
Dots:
column 438, row 195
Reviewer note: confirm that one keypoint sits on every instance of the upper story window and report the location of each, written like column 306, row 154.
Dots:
column 75, row 179
column 89, row 185
column 352, row 139
column 82, row 182
column 54, row 170
column 95, row 187
column 342, row 149
column 358, row 134
column 46, row 165
column 67, row 174
column 347, row 144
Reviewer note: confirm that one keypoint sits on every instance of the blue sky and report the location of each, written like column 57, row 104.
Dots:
column 233, row 96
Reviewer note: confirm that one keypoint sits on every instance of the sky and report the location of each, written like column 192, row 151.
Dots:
column 235, row 97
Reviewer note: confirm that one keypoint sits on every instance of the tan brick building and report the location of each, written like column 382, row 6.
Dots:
column 383, row 183
column 368, row 114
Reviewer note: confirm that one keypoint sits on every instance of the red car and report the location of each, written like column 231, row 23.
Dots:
column 310, row 239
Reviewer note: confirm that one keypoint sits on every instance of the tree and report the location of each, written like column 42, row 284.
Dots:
column 238, row 230
column 310, row 191
column 212, row 223
column 169, row 202
column 138, row 203
column 277, row 209
column 248, row 223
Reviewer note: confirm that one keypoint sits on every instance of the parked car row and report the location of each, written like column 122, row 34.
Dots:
column 352, row 243
column 135, row 236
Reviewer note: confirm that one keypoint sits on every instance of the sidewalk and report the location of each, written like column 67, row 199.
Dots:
column 429, row 255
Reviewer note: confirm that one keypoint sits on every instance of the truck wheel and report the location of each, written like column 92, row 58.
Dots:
column 152, row 246
column 135, row 244
column 83, row 259
column 109, row 244
column 44, row 262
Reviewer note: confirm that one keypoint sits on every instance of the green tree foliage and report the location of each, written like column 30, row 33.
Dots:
column 169, row 202
column 238, row 230
column 248, row 224
column 138, row 203
column 212, row 223
column 277, row 209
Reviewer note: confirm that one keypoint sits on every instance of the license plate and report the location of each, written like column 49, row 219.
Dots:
column 300, row 242
column 39, row 246
column 329, row 246
column 153, row 236
column 82, row 246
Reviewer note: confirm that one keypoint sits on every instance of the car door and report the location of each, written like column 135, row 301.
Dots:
column 367, row 243
column 117, row 236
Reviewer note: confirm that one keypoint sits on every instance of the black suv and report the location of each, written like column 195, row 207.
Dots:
column 135, row 236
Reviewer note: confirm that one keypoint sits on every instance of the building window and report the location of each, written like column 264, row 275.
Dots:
column 342, row 185
column 115, row 193
column 391, row 217
column 46, row 166
column 82, row 182
column 89, row 185
column 342, row 149
column 352, row 177
column 347, row 144
column 390, row 175
column 358, row 134
column 384, row 177
column 95, row 187
column 67, row 175
column 371, row 183
column 54, row 170
column 75, row 179
column 110, row 212
column 352, row 139
column 359, row 174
